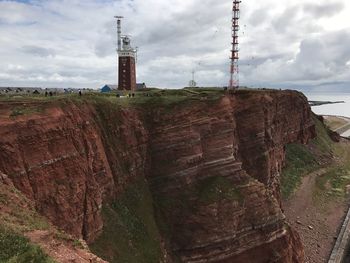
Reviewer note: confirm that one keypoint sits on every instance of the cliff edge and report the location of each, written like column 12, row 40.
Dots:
column 173, row 177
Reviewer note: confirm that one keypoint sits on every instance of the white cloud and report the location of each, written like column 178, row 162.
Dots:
column 72, row 43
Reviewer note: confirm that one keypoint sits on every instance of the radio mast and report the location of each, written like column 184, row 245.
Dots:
column 119, row 28
column 234, row 68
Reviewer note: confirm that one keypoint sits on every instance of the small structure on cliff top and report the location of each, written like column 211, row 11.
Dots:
column 108, row 88
column 192, row 83
column 126, row 62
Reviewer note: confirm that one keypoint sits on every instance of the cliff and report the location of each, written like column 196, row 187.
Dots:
column 195, row 176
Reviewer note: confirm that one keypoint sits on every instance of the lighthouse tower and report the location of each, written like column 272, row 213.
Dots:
column 126, row 62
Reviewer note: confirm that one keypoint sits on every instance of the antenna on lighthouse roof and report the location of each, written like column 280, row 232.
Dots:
column 119, row 26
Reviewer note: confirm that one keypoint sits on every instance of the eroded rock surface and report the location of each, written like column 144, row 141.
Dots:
column 212, row 167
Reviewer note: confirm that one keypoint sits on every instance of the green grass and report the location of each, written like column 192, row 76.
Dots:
column 335, row 181
column 214, row 189
column 130, row 233
column 299, row 162
column 302, row 159
column 3, row 199
column 20, row 215
column 172, row 207
column 323, row 143
column 25, row 220
column 148, row 99
column 77, row 244
column 23, row 110
column 205, row 192
column 15, row 248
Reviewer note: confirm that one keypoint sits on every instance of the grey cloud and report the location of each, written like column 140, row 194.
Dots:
column 324, row 9
column 321, row 59
column 106, row 42
column 259, row 17
column 280, row 45
column 286, row 19
column 38, row 51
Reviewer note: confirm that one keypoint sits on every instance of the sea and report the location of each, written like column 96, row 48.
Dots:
column 341, row 109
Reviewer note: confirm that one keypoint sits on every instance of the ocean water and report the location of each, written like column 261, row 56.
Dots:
column 342, row 109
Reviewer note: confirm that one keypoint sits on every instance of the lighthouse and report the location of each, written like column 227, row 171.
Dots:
column 126, row 61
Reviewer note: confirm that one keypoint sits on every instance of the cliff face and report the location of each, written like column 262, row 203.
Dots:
column 61, row 158
column 212, row 168
column 215, row 171
column 58, row 160
column 266, row 124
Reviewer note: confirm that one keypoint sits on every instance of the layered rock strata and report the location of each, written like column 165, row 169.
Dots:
column 212, row 167
column 242, row 140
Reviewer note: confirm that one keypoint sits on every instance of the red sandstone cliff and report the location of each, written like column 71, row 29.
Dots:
column 212, row 167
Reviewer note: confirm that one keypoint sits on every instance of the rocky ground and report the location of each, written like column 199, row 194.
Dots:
column 317, row 225
column 318, row 215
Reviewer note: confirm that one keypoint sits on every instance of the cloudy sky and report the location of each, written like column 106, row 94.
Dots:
column 71, row 43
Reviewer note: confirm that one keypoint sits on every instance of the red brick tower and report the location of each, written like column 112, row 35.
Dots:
column 127, row 66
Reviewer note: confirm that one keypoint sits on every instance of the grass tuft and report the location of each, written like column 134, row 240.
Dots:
column 218, row 188
column 130, row 233
column 15, row 248
column 303, row 159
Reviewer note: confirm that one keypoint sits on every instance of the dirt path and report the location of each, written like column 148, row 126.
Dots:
column 317, row 223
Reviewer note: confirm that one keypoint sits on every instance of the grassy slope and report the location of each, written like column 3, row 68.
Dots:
column 15, row 248
column 130, row 233
column 336, row 181
column 320, row 152
column 303, row 159
column 16, row 218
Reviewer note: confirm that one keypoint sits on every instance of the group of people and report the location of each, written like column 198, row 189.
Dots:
column 129, row 95
column 50, row 93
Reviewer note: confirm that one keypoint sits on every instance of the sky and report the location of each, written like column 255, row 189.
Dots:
column 302, row 44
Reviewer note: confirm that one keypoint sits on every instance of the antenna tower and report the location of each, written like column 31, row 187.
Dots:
column 234, row 69
column 119, row 28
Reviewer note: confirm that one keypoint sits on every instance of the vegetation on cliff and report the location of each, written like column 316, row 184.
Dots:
column 130, row 233
column 303, row 159
column 320, row 152
column 26, row 236
column 15, row 248
column 17, row 218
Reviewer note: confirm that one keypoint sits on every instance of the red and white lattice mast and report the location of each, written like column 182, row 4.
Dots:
column 234, row 70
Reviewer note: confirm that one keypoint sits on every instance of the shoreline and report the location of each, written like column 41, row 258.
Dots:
column 315, row 103
column 344, row 129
